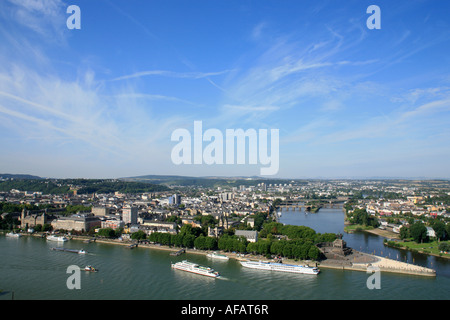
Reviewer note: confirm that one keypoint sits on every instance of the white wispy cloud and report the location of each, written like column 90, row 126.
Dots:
column 64, row 107
column 154, row 97
column 45, row 17
column 316, row 87
column 398, row 124
column 412, row 96
column 78, row 112
column 427, row 109
column 289, row 72
column 172, row 74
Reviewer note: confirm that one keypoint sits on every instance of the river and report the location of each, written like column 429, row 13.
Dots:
column 30, row 270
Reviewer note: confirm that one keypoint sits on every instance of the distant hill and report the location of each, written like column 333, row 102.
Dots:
column 19, row 176
column 83, row 186
column 111, row 186
column 206, row 182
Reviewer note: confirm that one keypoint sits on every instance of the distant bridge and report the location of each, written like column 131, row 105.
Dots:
column 324, row 203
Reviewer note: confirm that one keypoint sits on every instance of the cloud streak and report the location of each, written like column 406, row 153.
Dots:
column 336, row 91
column 45, row 17
column 171, row 74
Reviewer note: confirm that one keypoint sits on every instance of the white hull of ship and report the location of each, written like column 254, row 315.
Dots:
column 279, row 267
column 207, row 272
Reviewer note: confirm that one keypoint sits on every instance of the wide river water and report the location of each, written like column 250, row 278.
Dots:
column 30, row 270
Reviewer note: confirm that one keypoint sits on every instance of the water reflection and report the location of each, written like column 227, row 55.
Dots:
column 332, row 220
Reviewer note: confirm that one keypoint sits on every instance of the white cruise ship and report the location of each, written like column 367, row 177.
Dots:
column 280, row 267
column 216, row 255
column 195, row 268
column 57, row 238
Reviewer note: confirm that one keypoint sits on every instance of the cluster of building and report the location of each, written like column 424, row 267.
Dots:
column 229, row 206
column 149, row 212
column 414, row 205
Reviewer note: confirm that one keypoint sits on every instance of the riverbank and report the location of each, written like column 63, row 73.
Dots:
column 366, row 262
column 423, row 248
column 357, row 261
column 390, row 235
column 385, row 233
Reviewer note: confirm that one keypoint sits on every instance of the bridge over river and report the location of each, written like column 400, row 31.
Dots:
column 322, row 203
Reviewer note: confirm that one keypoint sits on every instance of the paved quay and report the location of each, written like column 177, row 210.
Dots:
column 359, row 261
column 356, row 261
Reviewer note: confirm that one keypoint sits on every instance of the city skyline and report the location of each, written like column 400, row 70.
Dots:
column 102, row 101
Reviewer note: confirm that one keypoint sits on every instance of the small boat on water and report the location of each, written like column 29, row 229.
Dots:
column 81, row 251
column 195, row 268
column 90, row 269
column 215, row 255
column 13, row 235
column 179, row 252
column 57, row 238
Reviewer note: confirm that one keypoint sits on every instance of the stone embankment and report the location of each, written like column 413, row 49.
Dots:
column 389, row 265
column 356, row 261
column 359, row 261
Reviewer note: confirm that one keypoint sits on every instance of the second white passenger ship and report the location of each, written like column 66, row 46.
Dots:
column 293, row 268
column 216, row 255
column 57, row 238
column 195, row 268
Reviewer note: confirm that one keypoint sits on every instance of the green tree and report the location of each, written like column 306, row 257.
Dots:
column 325, row 237
column 210, row 243
column 189, row 229
column 444, row 246
column 439, row 229
column 138, row 235
column 165, row 238
column 259, row 218
column 232, row 243
column 418, row 232
column 176, row 240
column 208, row 220
column 314, row 253
column 199, row 243
column 277, row 247
column 288, row 250
column 188, row 240
column 70, row 209
column 303, row 249
column 298, row 232
column 263, row 246
column 241, row 245
column 252, row 247
column 107, row 233
column 405, row 233
column 175, row 219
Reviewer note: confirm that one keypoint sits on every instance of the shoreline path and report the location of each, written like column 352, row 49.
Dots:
column 356, row 261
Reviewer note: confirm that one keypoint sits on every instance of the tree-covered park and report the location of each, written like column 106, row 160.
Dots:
column 276, row 239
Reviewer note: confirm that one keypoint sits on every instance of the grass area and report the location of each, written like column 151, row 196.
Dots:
column 356, row 227
column 428, row 247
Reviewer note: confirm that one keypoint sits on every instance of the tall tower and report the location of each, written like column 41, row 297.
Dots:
column 176, row 199
column 129, row 214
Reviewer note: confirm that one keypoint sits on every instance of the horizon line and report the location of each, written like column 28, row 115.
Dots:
column 232, row 177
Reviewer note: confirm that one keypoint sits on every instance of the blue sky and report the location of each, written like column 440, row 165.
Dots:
column 102, row 101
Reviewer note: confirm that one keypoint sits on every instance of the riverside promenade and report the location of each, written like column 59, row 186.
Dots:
column 359, row 261
column 356, row 261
